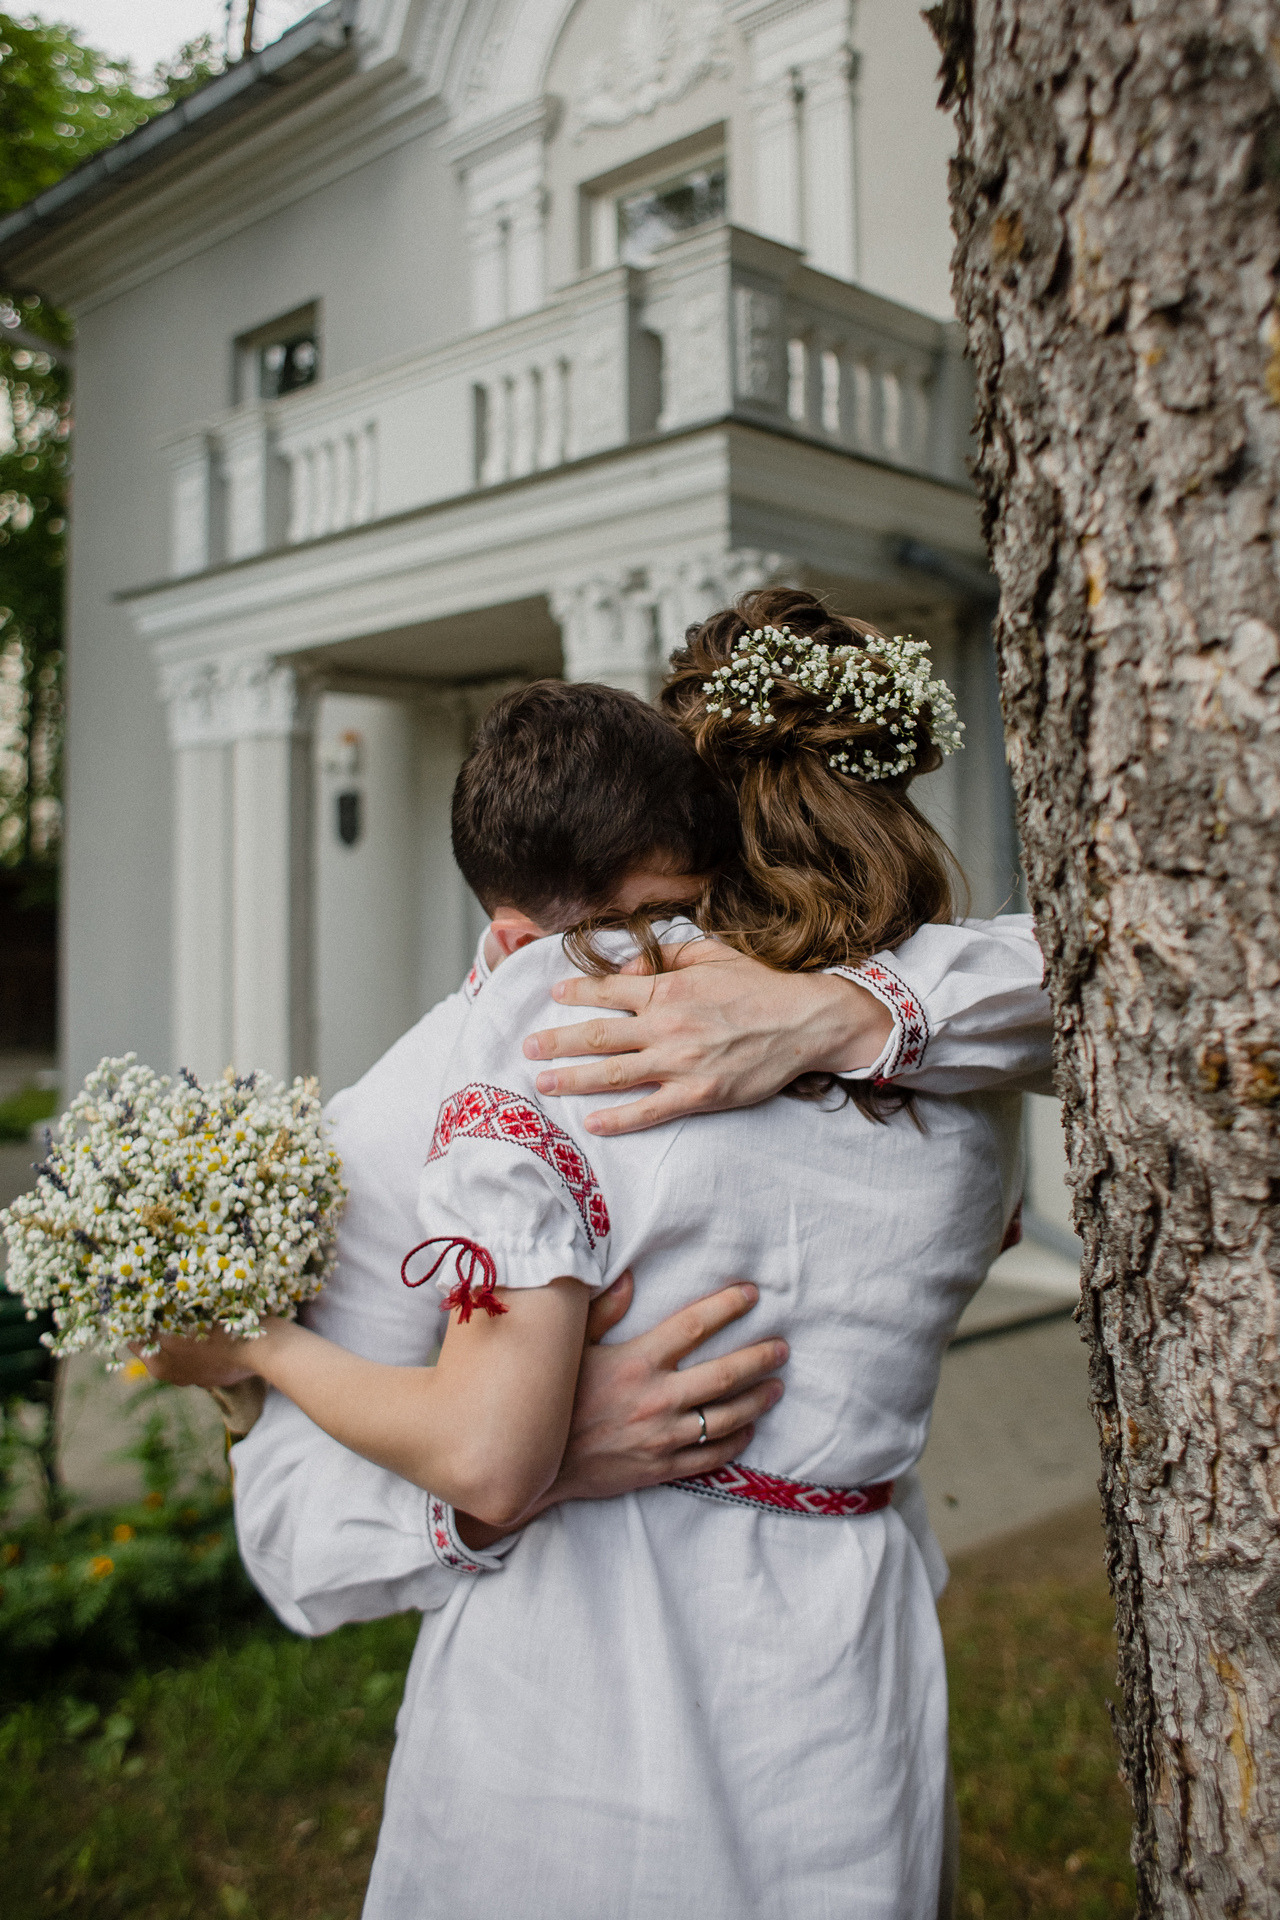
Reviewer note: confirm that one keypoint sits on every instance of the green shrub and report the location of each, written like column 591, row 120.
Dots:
column 24, row 1110
column 108, row 1589
column 89, row 1593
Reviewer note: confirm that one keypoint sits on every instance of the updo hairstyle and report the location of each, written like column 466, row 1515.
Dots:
column 832, row 867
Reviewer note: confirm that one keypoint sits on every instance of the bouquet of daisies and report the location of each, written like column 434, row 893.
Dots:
column 165, row 1206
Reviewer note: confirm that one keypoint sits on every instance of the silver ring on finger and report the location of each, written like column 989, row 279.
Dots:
column 704, row 1436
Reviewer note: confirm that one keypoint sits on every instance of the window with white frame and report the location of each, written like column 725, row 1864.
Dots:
column 653, row 217
column 630, row 215
column 279, row 357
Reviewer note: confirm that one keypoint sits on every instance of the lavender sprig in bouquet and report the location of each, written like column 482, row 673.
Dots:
column 165, row 1206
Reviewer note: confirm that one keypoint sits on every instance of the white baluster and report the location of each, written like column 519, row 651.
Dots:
column 365, row 493
column 301, row 493
column 324, row 493
column 482, row 429
column 863, row 409
column 797, row 381
column 891, row 417
column 524, row 423
column 506, row 426
column 831, row 392
column 344, row 473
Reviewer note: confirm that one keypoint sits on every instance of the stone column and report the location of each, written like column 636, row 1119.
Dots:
column 830, row 163
column 193, row 501
column 254, row 478
column 501, row 163
column 526, row 218
column 775, row 120
column 242, row 956
column 487, row 245
column 699, row 585
column 803, row 69
column 610, row 630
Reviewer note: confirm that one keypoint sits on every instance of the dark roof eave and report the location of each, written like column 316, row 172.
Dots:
column 321, row 36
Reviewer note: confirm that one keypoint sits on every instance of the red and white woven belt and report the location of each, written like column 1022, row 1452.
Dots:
column 749, row 1487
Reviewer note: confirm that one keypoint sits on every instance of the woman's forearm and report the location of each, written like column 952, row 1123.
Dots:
column 404, row 1418
column 484, row 1429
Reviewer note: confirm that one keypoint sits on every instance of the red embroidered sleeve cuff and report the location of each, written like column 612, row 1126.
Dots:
column 906, row 1045
column 447, row 1546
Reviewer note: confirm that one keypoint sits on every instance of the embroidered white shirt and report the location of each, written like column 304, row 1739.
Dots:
column 329, row 1537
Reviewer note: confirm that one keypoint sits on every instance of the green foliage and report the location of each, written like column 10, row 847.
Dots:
column 101, row 1590
column 1044, row 1817
column 60, row 103
column 89, row 1592
column 35, row 421
column 248, row 1782
column 190, row 67
column 24, row 1110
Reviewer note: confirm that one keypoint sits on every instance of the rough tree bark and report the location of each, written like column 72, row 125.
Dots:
column 1116, row 199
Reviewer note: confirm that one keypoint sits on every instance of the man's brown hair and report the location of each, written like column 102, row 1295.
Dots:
column 568, row 788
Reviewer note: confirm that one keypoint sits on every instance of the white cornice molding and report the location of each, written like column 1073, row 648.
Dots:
column 479, row 140
column 489, row 548
column 482, row 549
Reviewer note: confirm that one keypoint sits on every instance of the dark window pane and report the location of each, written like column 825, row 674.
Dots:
column 649, row 220
column 286, row 365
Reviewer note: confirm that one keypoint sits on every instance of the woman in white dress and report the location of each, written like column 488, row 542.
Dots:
column 723, row 1699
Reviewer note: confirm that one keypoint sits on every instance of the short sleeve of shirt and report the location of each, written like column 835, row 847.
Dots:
column 503, row 1176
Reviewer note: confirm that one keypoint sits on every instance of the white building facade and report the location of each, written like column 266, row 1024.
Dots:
column 445, row 344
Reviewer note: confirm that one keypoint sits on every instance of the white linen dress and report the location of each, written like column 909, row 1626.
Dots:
column 669, row 1705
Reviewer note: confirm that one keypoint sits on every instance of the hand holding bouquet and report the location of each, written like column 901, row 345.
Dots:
column 168, row 1207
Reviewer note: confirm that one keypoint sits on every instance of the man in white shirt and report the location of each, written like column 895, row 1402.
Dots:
column 328, row 1536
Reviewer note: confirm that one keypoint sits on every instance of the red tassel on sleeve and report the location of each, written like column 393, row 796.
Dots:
column 469, row 1258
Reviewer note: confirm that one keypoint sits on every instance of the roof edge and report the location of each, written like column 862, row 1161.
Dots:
column 321, row 36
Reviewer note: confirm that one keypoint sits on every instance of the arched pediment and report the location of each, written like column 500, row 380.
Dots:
column 493, row 55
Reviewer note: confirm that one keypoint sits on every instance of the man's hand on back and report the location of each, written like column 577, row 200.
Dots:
column 634, row 1420
column 718, row 1031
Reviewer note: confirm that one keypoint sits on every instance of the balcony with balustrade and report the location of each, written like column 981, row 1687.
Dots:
column 723, row 326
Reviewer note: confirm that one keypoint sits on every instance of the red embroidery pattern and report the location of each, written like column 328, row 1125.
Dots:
column 492, row 1113
column 749, row 1487
column 465, row 1296
column 473, row 983
column 445, row 1543
column 912, row 1023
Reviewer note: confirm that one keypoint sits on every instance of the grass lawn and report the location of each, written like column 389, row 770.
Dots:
column 1044, row 1817
column 247, row 1782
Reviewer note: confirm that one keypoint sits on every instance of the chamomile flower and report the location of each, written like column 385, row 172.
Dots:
column 170, row 1207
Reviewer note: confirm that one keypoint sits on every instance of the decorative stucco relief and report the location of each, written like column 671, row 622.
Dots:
column 665, row 50
column 213, row 702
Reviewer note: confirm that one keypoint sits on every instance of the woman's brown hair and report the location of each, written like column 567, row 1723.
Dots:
column 831, row 868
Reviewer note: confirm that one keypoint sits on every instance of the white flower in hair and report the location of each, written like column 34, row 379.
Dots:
column 884, row 684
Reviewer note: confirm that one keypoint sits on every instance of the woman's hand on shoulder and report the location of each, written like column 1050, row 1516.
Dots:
column 717, row 1031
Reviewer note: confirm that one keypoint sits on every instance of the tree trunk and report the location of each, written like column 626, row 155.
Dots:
column 1117, row 203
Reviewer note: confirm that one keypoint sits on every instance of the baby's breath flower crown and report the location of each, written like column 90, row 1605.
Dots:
column 885, row 684
column 170, row 1207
